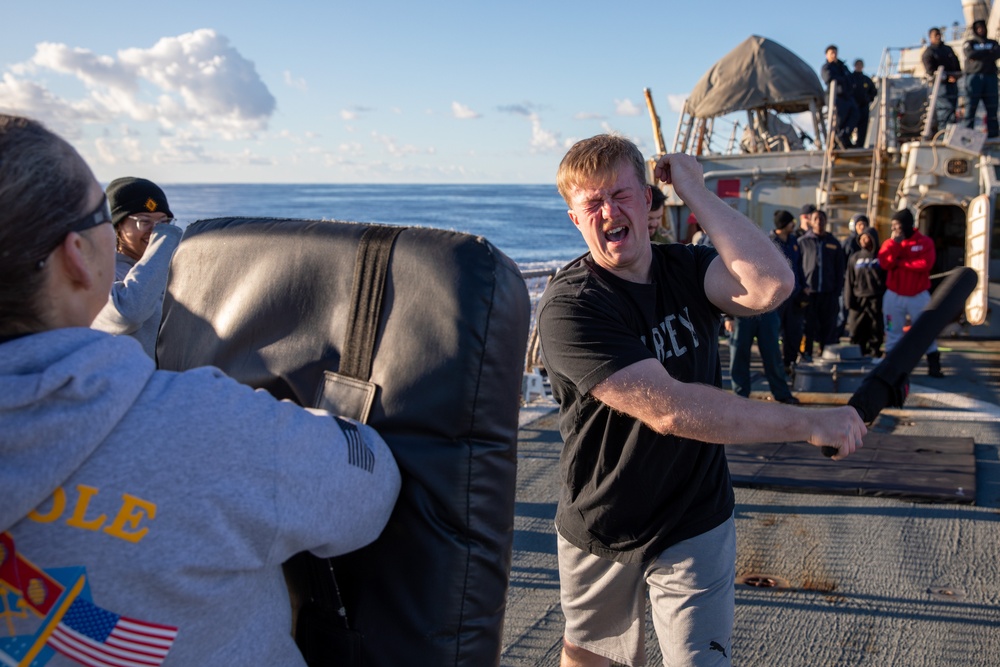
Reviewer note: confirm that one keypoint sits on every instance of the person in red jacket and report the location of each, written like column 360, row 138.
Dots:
column 907, row 257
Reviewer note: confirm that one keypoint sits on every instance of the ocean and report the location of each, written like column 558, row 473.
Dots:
column 528, row 223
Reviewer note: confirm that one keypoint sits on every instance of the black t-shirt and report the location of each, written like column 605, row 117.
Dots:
column 628, row 493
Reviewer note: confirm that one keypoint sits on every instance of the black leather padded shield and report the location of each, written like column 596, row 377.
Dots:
column 266, row 300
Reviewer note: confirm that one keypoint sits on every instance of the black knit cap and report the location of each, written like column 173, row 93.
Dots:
column 782, row 219
column 128, row 196
column 807, row 209
column 905, row 221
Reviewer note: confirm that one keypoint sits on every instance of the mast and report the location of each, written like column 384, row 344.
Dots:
column 661, row 147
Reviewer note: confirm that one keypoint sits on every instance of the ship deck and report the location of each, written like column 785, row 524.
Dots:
column 838, row 578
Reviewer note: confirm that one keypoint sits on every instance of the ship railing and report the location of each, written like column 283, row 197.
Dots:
column 532, row 384
column 931, row 111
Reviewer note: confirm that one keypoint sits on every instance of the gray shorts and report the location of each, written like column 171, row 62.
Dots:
column 692, row 589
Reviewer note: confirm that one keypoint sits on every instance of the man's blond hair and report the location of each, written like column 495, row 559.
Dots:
column 598, row 158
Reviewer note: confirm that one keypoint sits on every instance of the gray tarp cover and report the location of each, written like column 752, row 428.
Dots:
column 757, row 73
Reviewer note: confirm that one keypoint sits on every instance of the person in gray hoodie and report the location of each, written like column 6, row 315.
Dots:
column 145, row 514
column 146, row 241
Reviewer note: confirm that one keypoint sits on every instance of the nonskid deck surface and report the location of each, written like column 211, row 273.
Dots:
column 841, row 579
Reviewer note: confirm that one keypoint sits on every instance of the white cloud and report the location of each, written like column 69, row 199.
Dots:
column 626, row 108
column 395, row 149
column 297, row 139
column 20, row 96
column 127, row 150
column 353, row 148
column 588, row 115
column 463, row 112
column 218, row 88
column 292, row 82
column 542, row 140
column 196, row 79
column 94, row 70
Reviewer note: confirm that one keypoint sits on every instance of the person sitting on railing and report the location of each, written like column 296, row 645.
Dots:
column 835, row 72
column 864, row 91
column 935, row 56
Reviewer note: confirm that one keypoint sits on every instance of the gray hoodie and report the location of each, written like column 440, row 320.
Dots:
column 135, row 304
column 169, row 498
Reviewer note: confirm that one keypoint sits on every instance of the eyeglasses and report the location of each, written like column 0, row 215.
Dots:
column 99, row 216
column 144, row 224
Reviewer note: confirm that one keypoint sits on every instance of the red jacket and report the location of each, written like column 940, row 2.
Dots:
column 908, row 264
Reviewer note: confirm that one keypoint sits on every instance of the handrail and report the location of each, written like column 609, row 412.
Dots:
column 932, row 105
column 878, row 153
column 826, row 174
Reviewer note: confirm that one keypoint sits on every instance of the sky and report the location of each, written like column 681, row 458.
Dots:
column 388, row 91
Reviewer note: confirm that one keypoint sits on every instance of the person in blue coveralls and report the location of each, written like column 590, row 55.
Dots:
column 765, row 328
column 629, row 333
column 790, row 312
column 835, row 71
column 824, row 265
column 981, row 55
column 864, row 91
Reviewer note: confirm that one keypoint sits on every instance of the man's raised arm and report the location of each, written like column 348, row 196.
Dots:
column 751, row 274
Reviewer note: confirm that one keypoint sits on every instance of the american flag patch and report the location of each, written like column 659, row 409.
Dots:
column 99, row 638
column 358, row 453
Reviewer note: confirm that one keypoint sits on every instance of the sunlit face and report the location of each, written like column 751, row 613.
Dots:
column 134, row 231
column 612, row 215
column 653, row 221
column 831, row 55
column 860, row 226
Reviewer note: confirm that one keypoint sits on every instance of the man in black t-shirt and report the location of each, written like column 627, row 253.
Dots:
column 629, row 333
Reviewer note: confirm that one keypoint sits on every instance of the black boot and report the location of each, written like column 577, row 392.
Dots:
column 934, row 365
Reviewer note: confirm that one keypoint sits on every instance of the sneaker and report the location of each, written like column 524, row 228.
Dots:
column 791, row 400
